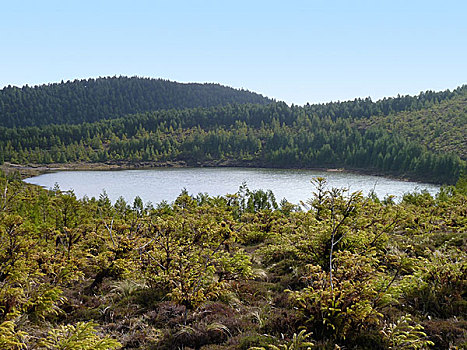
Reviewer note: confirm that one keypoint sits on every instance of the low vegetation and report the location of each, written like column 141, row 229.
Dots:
column 233, row 272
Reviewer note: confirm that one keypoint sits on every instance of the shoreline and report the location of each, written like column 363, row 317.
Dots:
column 31, row 170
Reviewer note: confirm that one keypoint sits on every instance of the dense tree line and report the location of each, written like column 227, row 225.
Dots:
column 274, row 135
column 238, row 271
column 366, row 108
column 89, row 100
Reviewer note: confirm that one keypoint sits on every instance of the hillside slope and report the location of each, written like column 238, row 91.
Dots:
column 275, row 135
column 90, row 100
column 365, row 108
column 441, row 127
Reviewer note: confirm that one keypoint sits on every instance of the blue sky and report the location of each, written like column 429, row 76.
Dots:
column 296, row 51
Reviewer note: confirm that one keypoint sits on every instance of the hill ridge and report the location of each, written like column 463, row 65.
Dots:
column 93, row 99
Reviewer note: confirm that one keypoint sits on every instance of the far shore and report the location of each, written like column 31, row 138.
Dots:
column 31, row 170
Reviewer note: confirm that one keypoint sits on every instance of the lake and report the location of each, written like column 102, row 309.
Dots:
column 156, row 185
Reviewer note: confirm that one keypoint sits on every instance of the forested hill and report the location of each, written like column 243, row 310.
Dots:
column 90, row 100
column 421, row 137
column 441, row 127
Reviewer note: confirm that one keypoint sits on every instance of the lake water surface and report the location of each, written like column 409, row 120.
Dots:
column 156, row 185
